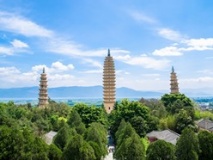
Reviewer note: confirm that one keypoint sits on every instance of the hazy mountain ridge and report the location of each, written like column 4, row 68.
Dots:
column 75, row 92
column 94, row 92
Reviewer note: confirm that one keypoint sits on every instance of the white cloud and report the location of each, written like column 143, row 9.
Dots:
column 122, row 57
column 167, row 51
column 16, row 46
column 70, row 48
column 6, row 50
column 93, row 63
column 146, row 62
column 170, row 34
column 5, row 71
column 198, row 79
column 151, row 75
column 138, row 16
column 19, row 44
column 56, row 67
column 93, row 71
column 206, row 71
column 61, row 67
column 20, row 25
column 49, row 40
column 197, row 82
column 200, row 44
column 57, row 73
column 121, row 72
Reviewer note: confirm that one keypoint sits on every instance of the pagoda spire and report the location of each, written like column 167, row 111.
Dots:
column 108, row 53
column 43, row 95
column 173, row 70
column 109, row 83
column 174, row 82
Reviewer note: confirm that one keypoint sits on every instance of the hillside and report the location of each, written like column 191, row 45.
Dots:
column 75, row 92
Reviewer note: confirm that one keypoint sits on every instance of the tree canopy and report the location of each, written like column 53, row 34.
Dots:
column 135, row 113
column 129, row 145
column 160, row 150
column 187, row 146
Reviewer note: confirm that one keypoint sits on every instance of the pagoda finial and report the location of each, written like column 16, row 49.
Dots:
column 43, row 69
column 173, row 70
column 108, row 52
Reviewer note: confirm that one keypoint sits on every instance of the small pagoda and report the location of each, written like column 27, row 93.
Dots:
column 109, row 83
column 174, row 82
column 43, row 95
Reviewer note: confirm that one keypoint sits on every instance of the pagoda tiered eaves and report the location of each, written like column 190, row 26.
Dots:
column 109, row 83
column 43, row 95
column 174, row 82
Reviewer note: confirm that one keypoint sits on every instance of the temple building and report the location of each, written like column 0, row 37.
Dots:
column 174, row 82
column 43, row 95
column 109, row 83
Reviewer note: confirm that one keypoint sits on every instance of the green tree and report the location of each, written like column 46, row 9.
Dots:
column 129, row 145
column 78, row 149
column 39, row 149
column 183, row 120
column 206, row 145
column 175, row 102
column 98, row 134
column 139, row 124
column 11, row 143
column 156, row 106
column 161, row 150
column 62, row 137
column 187, row 145
column 127, row 110
column 54, row 153
column 75, row 121
column 91, row 114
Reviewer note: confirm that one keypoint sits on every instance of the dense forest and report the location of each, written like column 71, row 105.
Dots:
column 82, row 131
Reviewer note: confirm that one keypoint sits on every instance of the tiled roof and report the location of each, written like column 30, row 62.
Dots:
column 48, row 137
column 166, row 135
column 205, row 124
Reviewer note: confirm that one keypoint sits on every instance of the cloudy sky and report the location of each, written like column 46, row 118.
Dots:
column 70, row 38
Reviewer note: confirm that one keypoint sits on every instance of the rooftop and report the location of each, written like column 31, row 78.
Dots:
column 48, row 137
column 166, row 135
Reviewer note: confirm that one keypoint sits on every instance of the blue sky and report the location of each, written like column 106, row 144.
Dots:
column 70, row 38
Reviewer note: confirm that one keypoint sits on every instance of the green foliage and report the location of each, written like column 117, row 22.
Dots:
column 156, row 106
column 183, row 120
column 168, row 122
column 187, row 145
column 135, row 113
column 62, row 137
column 129, row 145
column 145, row 142
column 20, row 126
column 75, row 122
column 206, row 145
column 40, row 149
column 175, row 102
column 54, row 153
column 91, row 114
column 139, row 124
column 78, row 149
column 97, row 133
column 11, row 143
column 74, row 119
column 21, row 144
column 161, row 150
column 203, row 114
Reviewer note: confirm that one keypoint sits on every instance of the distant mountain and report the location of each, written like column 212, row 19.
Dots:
column 94, row 92
column 75, row 92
